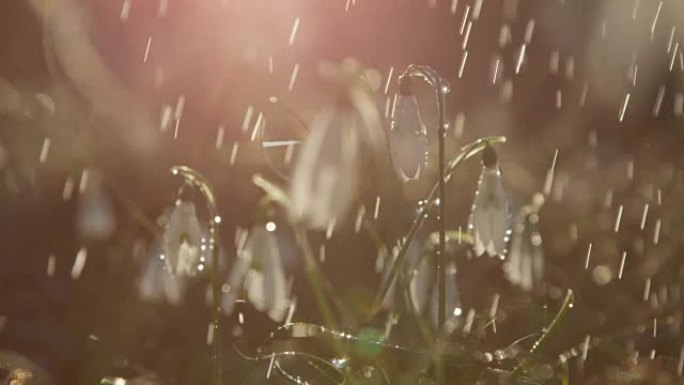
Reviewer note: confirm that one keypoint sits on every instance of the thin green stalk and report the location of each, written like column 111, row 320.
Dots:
column 541, row 342
column 197, row 180
column 313, row 273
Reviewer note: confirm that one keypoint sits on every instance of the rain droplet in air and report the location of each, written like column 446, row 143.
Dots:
column 623, row 107
column 461, row 68
column 647, row 290
column 644, row 215
column 467, row 35
column 588, row 258
column 389, row 79
column 376, row 211
column 147, row 49
column 51, row 265
column 83, row 184
column 293, row 77
column 68, row 190
column 162, row 8
column 125, row 10
column 44, row 150
column 293, row 32
column 233, row 153
column 219, row 137
column 465, row 19
column 618, row 218
column 454, row 6
column 79, row 263
column 622, row 264
column 248, row 118
column 659, row 101
column 656, row 232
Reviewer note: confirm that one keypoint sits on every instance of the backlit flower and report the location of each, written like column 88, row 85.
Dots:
column 325, row 176
column 157, row 286
column 525, row 263
column 259, row 271
column 490, row 215
column 182, row 242
column 407, row 135
column 424, row 290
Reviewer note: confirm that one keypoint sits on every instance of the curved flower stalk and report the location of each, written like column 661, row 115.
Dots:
column 95, row 215
column 466, row 153
column 186, row 222
column 490, row 214
column 183, row 241
column 407, row 135
column 525, row 263
column 325, row 177
column 259, row 270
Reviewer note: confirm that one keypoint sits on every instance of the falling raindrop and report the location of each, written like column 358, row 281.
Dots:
column 293, row 32
column 44, row 150
column 293, row 77
column 79, row 263
column 622, row 264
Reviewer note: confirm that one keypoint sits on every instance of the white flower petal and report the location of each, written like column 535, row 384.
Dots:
column 260, row 271
column 408, row 139
column 325, row 177
column 183, row 227
column 489, row 219
column 157, row 286
column 525, row 264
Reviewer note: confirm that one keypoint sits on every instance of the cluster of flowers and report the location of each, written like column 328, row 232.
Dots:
column 323, row 188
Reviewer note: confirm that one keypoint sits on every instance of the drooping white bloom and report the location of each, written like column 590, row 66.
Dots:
column 155, row 285
column 408, row 139
column 182, row 242
column 490, row 214
column 259, row 271
column 424, row 289
column 525, row 263
column 325, row 176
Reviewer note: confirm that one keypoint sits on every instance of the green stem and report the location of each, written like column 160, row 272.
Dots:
column 197, row 180
column 314, row 276
column 466, row 153
column 541, row 342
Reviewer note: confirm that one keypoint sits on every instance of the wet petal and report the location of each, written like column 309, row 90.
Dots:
column 325, row 177
column 489, row 219
column 525, row 264
column 183, row 228
column 408, row 139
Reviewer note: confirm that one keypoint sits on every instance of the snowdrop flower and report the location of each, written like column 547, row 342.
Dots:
column 325, row 176
column 157, row 286
column 408, row 135
column 423, row 289
column 489, row 217
column 259, row 271
column 525, row 264
column 94, row 213
column 182, row 242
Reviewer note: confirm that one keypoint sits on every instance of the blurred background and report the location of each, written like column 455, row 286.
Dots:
column 99, row 98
